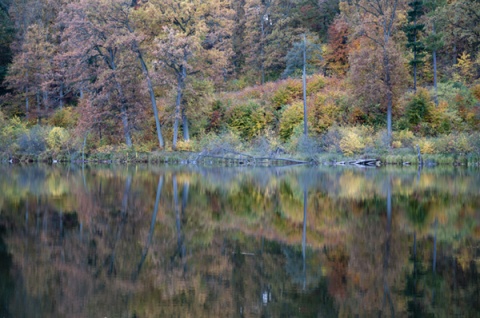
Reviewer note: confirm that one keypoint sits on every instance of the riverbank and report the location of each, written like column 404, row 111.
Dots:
column 232, row 158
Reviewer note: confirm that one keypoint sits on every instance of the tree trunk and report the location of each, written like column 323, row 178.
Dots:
column 45, row 99
column 180, row 85
column 186, row 134
column 123, row 108
column 26, row 100
column 37, row 96
column 61, row 97
column 124, row 115
column 151, row 93
column 434, row 56
column 304, row 79
column 388, row 84
column 415, row 58
column 262, row 53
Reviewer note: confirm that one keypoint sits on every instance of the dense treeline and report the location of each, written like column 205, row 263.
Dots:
column 177, row 74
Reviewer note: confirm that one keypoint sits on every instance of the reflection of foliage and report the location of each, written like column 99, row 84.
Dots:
column 235, row 237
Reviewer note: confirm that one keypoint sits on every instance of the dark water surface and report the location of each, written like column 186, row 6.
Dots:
column 142, row 241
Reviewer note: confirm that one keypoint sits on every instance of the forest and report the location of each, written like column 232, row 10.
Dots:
column 104, row 76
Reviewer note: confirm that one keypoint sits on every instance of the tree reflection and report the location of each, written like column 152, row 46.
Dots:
column 233, row 242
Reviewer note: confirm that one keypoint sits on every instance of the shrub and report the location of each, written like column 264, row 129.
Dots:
column 315, row 84
column 33, row 141
column 325, row 110
column 287, row 93
column 212, row 141
column 57, row 138
column 249, row 119
column 453, row 143
column 419, row 108
column 351, row 143
column 291, row 117
column 426, row 146
column 402, row 138
column 183, row 145
column 216, row 117
column 65, row 117
column 354, row 140
column 12, row 130
column 476, row 91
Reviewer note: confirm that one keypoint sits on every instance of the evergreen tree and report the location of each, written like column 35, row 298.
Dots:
column 413, row 31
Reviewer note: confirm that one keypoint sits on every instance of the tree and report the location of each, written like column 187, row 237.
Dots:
column 375, row 20
column 434, row 41
column 195, row 42
column 6, row 37
column 413, row 30
column 29, row 67
column 101, row 54
column 336, row 55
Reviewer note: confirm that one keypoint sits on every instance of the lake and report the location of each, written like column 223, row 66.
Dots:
column 180, row 241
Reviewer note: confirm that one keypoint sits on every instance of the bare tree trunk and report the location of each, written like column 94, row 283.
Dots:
column 151, row 93
column 434, row 55
column 126, row 129
column 45, row 99
column 186, row 134
column 180, row 85
column 386, row 65
column 153, row 101
column 37, row 96
column 61, row 97
column 262, row 52
column 177, row 115
column 123, row 108
column 304, row 79
column 27, row 104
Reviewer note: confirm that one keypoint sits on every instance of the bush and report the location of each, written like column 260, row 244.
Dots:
column 287, row 93
column 419, row 108
column 212, row 141
column 291, row 117
column 355, row 139
column 426, row 146
column 326, row 109
column 403, row 138
column 65, row 117
column 10, row 132
column 476, row 91
column 249, row 120
column 315, row 84
column 33, row 141
column 57, row 138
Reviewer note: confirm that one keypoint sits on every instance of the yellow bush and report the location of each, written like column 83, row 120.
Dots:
column 403, row 138
column 351, row 143
column 426, row 146
column 57, row 138
column 355, row 139
column 291, row 117
column 185, row 145
column 397, row 144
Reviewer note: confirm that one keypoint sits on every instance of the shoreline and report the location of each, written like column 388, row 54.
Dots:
column 398, row 158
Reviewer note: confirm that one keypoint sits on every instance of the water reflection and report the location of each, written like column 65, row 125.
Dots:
column 294, row 242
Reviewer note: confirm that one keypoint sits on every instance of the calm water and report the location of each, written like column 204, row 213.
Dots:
column 143, row 241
